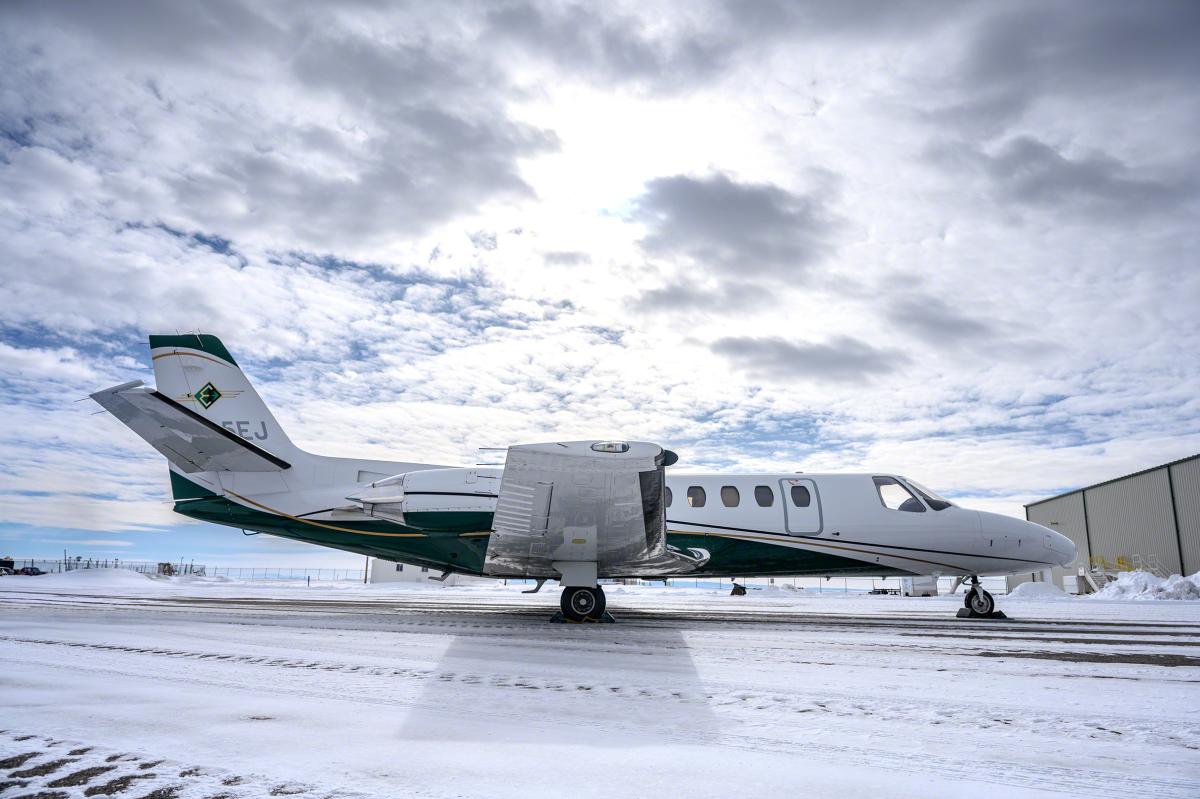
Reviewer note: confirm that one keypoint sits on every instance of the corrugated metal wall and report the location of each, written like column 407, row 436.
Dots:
column 1186, row 477
column 1134, row 516
column 1064, row 515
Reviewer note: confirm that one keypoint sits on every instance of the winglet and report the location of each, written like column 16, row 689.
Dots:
column 116, row 389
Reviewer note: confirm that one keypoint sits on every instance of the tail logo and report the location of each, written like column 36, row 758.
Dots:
column 207, row 396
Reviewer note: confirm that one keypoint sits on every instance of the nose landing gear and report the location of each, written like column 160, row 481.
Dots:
column 979, row 604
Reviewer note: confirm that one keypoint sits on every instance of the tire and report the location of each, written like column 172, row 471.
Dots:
column 602, row 606
column 582, row 604
column 980, row 602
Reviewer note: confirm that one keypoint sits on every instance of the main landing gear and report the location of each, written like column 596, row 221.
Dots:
column 979, row 604
column 582, row 605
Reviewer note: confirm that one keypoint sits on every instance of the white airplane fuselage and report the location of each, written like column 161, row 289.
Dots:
column 761, row 524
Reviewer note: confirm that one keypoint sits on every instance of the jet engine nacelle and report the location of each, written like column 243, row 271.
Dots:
column 431, row 491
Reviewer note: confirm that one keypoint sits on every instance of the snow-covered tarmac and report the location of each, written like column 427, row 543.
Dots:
column 202, row 688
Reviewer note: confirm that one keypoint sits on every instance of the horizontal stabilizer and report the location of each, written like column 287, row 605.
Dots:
column 184, row 437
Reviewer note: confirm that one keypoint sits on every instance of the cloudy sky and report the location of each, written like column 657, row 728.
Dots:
column 952, row 240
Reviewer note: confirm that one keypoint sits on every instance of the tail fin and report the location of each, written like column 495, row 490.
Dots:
column 197, row 372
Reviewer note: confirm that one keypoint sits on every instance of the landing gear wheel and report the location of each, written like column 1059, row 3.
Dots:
column 979, row 602
column 582, row 604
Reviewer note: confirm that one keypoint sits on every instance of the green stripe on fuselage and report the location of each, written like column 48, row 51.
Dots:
column 444, row 548
column 737, row 557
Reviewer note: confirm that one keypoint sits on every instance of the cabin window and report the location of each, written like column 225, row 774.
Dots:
column 895, row 496
column 800, row 496
column 670, row 496
column 764, row 496
column 695, row 497
column 399, row 567
column 730, row 497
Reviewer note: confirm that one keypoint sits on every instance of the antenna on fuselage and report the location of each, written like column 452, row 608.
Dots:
column 491, row 449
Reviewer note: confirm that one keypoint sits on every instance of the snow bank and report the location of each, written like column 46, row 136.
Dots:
column 1144, row 585
column 196, row 579
column 1038, row 591
column 91, row 578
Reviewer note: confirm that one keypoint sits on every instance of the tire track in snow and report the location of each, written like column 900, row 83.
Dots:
column 40, row 766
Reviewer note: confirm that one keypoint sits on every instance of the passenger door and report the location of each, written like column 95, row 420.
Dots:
column 803, row 506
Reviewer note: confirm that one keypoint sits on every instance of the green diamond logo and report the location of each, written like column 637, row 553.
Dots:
column 207, row 396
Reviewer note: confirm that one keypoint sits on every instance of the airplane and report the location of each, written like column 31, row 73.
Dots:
column 572, row 511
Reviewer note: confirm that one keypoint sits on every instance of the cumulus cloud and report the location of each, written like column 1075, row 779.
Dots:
column 695, row 293
column 730, row 227
column 1026, row 171
column 1021, row 54
column 307, row 129
column 96, row 542
column 937, row 321
column 721, row 239
column 610, row 46
column 841, row 359
column 566, row 258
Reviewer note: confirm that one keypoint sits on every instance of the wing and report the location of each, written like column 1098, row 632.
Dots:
column 584, row 502
column 186, row 439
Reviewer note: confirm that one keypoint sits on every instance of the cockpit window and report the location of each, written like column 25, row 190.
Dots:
column 931, row 499
column 895, row 496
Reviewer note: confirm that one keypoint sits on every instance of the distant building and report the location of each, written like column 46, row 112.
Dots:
column 386, row 571
column 919, row 586
column 1146, row 520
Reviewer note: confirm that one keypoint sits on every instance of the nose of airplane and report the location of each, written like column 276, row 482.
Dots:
column 1061, row 546
column 1057, row 549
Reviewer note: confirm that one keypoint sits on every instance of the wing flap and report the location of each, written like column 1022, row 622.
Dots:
column 183, row 437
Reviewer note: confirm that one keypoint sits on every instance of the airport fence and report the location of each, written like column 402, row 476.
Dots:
column 69, row 563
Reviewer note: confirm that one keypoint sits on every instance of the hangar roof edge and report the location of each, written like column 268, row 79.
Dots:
column 1114, row 480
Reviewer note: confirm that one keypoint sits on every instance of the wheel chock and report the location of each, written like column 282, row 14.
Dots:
column 559, row 618
column 964, row 613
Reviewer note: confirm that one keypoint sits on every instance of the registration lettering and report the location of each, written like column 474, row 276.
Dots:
column 243, row 428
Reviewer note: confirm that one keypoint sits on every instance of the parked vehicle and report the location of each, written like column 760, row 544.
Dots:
column 30, row 571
